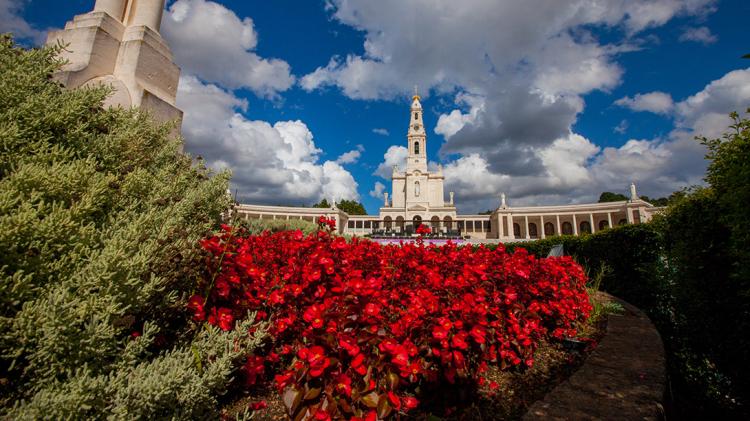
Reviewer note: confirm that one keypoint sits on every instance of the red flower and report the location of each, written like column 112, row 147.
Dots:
column 394, row 400
column 322, row 415
column 257, row 406
column 372, row 310
column 314, row 316
column 222, row 318
column 344, row 385
column 195, row 303
column 409, row 402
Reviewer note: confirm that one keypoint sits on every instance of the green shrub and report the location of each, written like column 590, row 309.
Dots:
column 257, row 226
column 631, row 252
column 100, row 215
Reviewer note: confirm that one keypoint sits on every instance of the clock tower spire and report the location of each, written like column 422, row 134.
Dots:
column 417, row 138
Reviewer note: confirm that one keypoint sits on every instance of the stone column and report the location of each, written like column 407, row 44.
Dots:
column 609, row 218
column 559, row 231
column 510, row 226
column 114, row 8
column 591, row 220
column 575, row 225
column 146, row 13
column 629, row 213
column 541, row 218
column 526, row 226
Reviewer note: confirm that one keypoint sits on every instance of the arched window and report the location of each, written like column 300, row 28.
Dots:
column 388, row 222
column 416, row 189
column 435, row 223
column 603, row 225
column 567, row 228
column 549, row 229
column 416, row 116
column 516, row 230
column 417, row 221
column 623, row 222
column 585, row 227
column 416, row 148
column 448, row 221
column 532, row 230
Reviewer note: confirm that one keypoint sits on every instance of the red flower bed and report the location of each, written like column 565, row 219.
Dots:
column 359, row 329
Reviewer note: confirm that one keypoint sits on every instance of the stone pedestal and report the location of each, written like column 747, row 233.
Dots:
column 131, row 58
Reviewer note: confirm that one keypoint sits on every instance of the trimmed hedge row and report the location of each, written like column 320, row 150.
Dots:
column 628, row 257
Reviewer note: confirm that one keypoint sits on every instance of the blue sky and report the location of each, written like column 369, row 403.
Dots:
column 548, row 101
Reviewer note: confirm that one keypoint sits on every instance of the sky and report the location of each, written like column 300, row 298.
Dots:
column 548, row 101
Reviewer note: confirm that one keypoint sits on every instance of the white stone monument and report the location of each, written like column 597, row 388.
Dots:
column 118, row 44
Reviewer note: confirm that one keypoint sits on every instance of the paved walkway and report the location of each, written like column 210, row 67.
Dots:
column 623, row 379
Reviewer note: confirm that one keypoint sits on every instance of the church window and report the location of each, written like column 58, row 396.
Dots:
column 416, row 147
column 416, row 189
column 416, row 116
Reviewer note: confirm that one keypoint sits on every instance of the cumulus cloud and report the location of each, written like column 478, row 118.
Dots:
column 655, row 102
column 394, row 156
column 707, row 112
column 377, row 190
column 622, row 127
column 212, row 42
column 381, row 131
column 275, row 164
column 517, row 92
column 12, row 21
column 700, row 34
column 349, row 157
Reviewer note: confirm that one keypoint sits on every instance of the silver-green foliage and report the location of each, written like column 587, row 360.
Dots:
column 257, row 226
column 100, row 215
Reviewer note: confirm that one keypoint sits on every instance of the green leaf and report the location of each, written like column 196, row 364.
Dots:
column 384, row 408
column 312, row 393
column 371, row 400
column 292, row 398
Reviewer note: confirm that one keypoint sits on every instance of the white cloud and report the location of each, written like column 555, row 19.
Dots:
column 377, row 190
column 394, row 156
column 707, row 112
column 655, row 102
column 700, row 34
column 276, row 164
column 349, row 157
column 622, row 127
column 213, row 43
column 12, row 21
column 381, row 131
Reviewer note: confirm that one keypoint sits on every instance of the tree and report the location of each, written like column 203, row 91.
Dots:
column 322, row 204
column 100, row 219
column 351, row 207
column 611, row 197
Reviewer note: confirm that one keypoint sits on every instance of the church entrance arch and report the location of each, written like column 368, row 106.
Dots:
column 448, row 221
column 516, row 230
column 567, row 228
column 585, row 227
column 400, row 223
column 549, row 229
column 388, row 222
column 435, row 223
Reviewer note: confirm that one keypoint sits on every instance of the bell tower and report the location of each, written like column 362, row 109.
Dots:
column 417, row 138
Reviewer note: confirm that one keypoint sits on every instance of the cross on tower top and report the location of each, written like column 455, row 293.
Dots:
column 416, row 93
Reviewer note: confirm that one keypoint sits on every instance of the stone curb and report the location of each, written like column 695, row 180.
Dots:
column 623, row 379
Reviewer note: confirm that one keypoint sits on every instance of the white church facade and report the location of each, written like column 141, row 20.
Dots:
column 417, row 197
column 118, row 44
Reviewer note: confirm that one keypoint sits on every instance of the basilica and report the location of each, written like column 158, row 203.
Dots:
column 119, row 44
column 417, row 197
